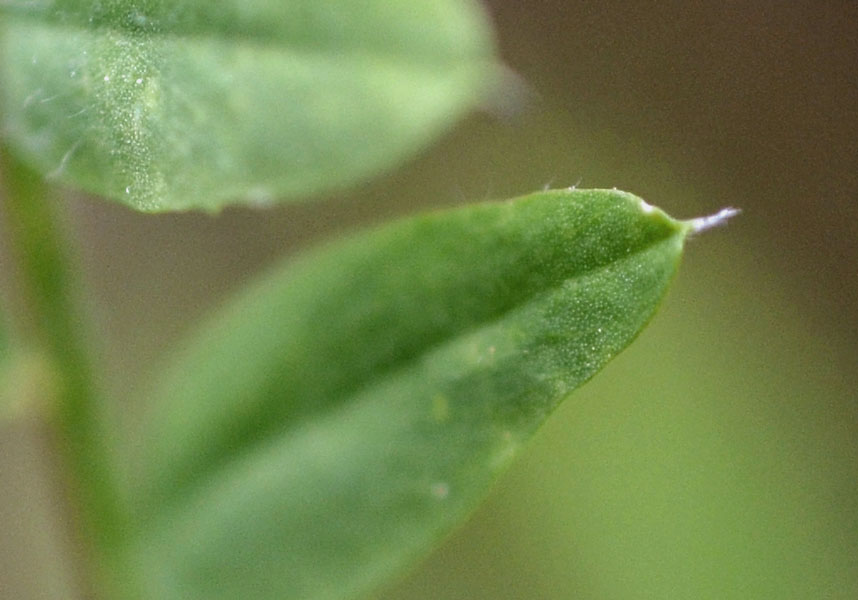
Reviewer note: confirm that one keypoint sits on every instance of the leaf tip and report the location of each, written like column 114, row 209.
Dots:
column 646, row 207
column 701, row 224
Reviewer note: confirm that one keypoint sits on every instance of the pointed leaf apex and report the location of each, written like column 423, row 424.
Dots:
column 701, row 224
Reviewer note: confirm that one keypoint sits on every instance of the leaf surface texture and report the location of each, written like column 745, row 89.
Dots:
column 329, row 425
column 195, row 104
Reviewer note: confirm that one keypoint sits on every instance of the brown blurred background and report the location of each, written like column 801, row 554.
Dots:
column 718, row 456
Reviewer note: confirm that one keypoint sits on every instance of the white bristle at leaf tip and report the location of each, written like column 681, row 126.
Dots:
column 703, row 223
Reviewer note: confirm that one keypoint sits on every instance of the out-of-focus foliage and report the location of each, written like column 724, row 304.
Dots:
column 196, row 104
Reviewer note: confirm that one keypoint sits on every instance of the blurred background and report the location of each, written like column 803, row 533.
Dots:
column 718, row 456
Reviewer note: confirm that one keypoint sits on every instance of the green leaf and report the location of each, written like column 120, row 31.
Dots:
column 193, row 104
column 333, row 422
column 26, row 380
column 28, row 385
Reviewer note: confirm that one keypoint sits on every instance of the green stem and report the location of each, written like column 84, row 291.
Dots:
column 76, row 413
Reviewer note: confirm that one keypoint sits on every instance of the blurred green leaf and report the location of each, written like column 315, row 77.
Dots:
column 28, row 384
column 191, row 105
column 25, row 379
column 351, row 408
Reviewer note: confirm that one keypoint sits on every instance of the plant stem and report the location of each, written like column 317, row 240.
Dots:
column 76, row 413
